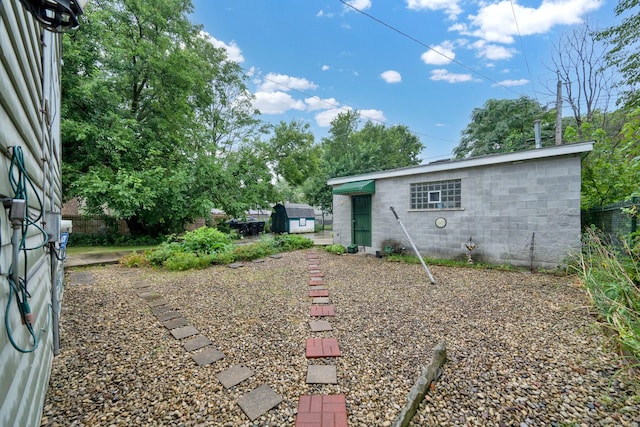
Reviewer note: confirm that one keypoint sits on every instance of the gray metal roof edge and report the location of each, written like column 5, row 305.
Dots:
column 493, row 159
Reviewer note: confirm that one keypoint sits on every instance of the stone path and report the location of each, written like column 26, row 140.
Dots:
column 204, row 352
column 313, row 410
column 320, row 410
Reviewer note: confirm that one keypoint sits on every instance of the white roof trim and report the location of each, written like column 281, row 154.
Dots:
column 540, row 153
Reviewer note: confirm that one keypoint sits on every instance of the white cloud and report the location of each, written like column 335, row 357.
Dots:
column 276, row 102
column 322, row 14
column 325, row 67
column 316, row 103
column 451, row 7
column 444, row 75
column 280, row 82
column 495, row 22
column 359, row 4
column 492, row 51
column 324, row 118
column 391, row 76
column 375, row 115
column 511, row 83
column 233, row 51
column 440, row 54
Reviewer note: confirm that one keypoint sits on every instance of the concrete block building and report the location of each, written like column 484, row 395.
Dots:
column 518, row 208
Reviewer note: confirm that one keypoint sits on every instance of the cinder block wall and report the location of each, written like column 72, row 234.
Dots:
column 503, row 206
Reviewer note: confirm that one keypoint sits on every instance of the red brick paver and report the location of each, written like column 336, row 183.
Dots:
column 316, row 274
column 317, row 281
column 322, row 347
column 322, row 411
column 321, row 310
column 319, row 293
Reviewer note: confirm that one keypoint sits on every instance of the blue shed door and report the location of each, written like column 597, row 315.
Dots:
column 361, row 220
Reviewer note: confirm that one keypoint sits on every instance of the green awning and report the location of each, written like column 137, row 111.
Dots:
column 357, row 187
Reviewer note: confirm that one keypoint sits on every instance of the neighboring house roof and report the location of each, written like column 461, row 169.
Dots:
column 299, row 210
column 493, row 159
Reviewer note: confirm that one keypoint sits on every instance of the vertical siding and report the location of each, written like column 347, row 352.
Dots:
column 29, row 74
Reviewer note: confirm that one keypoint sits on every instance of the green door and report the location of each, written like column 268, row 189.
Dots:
column 361, row 220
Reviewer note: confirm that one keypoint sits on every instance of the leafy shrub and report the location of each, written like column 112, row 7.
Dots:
column 336, row 249
column 205, row 240
column 134, row 259
column 181, row 261
column 165, row 251
column 608, row 277
column 253, row 251
column 291, row 242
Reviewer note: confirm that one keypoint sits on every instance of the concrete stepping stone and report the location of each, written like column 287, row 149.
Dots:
column 259, row 401
column 322, row 347
column 258, row 261
column 175, row 323
column 320, row 326
column 322, row 411
column 319, row 293
column 322, row 374
column 275, row 256
column 234, row 375
column 321, row 300
column 140, row 285
column 321, row 311
column 318, row 287
column 161, row 309
column 196, row 343
column 207, row 356
column 235, row 265
column 157, row 303
column 149, row 296
column 169, row 315
column 184, row 332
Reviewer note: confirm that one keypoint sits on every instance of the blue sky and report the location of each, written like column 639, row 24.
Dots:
column 311, row 59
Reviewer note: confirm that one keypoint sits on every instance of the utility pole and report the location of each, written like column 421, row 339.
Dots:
column 559, row 111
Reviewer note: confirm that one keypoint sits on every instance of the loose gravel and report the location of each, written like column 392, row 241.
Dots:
column 523, row 349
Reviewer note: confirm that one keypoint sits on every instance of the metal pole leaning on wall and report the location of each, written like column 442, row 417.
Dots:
column 433, row 281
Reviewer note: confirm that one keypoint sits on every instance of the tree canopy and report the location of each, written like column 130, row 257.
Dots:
column 157, row 123
column 505, row 125
column 351, row 149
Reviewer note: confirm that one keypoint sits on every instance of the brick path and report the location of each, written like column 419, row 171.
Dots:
column 320, row 410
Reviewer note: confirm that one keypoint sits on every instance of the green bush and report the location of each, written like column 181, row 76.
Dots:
column 134, row 259
column 608, row 276
column 291, row 242
column 165, row 251
column 205, row 240
column 181, row 261
column 336, row 249
column 251, row 251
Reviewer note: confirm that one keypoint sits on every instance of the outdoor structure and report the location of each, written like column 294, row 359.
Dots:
column 518, row 208
column 30, row 188
column 293, row 218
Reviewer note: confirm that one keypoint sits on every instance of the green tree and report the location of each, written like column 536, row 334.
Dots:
column 349, row 150
column 610, row 171
column 624, row 54
column 292, row 153
column 156, row 122
column 503, row 126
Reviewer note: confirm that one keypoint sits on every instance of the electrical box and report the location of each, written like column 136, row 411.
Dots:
column 66, row 226
column 52, row 226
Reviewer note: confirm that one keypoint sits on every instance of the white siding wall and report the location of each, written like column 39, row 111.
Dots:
column 29, row 80
column 296, row 227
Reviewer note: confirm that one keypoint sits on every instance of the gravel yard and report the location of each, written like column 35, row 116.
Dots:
column 523, row 350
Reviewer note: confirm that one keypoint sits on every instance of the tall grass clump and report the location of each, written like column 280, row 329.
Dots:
column 196, row 249
column 611, row 279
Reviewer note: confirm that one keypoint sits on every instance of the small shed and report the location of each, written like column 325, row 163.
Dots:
column 293, row 218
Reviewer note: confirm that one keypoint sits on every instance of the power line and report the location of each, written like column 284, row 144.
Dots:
column 524, row 54
column 421, row 43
